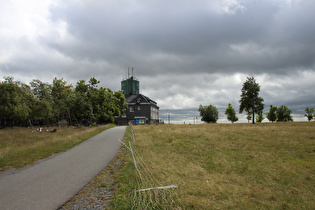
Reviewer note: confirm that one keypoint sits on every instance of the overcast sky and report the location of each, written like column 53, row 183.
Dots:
column 184, row 53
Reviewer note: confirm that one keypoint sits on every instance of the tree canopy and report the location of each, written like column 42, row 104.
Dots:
column 46, row 104
column 250, row 100
column 309, row 113
column 231, row 114
column 272, row 114
column 209, row 114
column 284, row 114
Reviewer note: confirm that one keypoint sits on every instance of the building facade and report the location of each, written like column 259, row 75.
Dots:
column 130, row 86
column 141, row 109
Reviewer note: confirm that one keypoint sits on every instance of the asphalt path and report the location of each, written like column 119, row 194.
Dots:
column 51, row 182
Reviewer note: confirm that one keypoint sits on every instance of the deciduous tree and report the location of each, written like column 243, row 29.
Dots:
column 250, row 100
column 260, row 117
column 231, row 114
column 284, row 114
column 14, row 102
column 209, row 114
column 309, row 113
column 60, row 92
column 272, row 114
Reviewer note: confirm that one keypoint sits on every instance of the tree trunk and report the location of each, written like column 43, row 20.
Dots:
column 253, row 117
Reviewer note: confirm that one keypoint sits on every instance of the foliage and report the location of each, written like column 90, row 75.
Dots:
column 231, row 114
column 248, row 116
column 309, row 113
column 272, row 114
column 209, row 114
column 47, row 104
column 260, row 117
column 284, row 114
column 250, row 100
column 15, row 101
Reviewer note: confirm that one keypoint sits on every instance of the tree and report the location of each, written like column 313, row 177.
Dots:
column 81, row 106
column 42, row 103
column 248, row 116
column 272, row 114
column 209, row 114
column 41, row 90
column 42, row 108
column 15, row 102
column 284, row 114
column 81, row 109
column 93, row 83
column 60, row 92
column 231, row 114
column 260, row 117
column 309, row 113
column 250, row 100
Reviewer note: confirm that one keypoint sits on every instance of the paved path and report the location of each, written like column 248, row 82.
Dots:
column 53, row 181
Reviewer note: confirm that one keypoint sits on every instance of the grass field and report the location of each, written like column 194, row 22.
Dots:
column 23, row 146
column 221, row 166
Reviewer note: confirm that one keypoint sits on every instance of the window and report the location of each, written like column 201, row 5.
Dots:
column 138, row 108
column 132, row 109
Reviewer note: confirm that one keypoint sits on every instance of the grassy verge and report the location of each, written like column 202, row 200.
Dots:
column 22, row 146
column 220, row 166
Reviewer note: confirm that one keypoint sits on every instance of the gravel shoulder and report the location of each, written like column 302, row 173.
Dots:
column 97, row 194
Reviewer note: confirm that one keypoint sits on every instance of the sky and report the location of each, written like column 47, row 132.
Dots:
column 184, row 53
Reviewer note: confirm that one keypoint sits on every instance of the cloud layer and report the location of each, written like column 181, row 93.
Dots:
column 185, row 53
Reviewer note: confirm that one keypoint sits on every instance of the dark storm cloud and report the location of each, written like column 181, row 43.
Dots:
column 185, row 53
column 181, row 36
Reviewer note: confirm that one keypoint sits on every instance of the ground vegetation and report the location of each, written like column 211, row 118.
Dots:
column 49, row 104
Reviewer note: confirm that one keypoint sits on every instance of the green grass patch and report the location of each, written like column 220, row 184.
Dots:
column 23, row 146
column 220, row 166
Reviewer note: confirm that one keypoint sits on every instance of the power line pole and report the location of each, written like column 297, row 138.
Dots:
column 169, row 118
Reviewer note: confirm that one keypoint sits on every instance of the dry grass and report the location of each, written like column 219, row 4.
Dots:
column 220, row 166
column 23, row 146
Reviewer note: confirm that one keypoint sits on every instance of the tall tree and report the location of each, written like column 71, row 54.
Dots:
column 60, row 92
column 120, row 102
column 250, row 100
column 40, row 89
column 284, row 114
column 42, row 108
column 272, row 114
column 309, row 113
column 81, row 106
column 209, row 114
column 231, row 114
column 15, row 102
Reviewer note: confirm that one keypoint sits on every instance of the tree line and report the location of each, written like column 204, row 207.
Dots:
column 252, row 103
column 58, row 103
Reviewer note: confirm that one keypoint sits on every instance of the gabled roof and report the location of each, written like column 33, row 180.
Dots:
column 138, row 99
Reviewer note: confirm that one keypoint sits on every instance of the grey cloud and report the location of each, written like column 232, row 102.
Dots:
column 192, row 51
column 136, row 33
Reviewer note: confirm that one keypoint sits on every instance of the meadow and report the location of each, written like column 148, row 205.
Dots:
column 215, row 166
column 20, row 146
column 219, row 166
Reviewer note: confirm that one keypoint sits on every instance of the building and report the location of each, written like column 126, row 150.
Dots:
column 141, row 109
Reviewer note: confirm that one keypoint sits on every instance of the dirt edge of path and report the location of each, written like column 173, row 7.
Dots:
column 97, row 194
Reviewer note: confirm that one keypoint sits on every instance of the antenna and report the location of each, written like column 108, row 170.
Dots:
column 132, row 71
column 128, row 73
